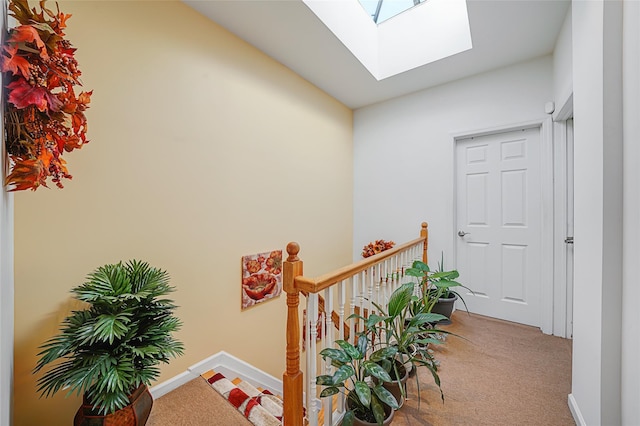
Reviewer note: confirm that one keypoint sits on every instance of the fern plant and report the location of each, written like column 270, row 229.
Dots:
column 116, row 344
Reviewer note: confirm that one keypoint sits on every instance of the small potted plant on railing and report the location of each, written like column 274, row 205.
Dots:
column 368, row 402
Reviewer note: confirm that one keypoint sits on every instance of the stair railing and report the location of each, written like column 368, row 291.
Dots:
column 361, row 284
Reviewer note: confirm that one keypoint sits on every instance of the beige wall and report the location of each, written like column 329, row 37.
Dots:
column 203, row 149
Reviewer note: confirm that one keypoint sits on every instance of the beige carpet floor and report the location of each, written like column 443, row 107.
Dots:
column 195, row 403
column 500, row 374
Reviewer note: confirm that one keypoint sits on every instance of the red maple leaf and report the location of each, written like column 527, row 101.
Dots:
column 22, row 94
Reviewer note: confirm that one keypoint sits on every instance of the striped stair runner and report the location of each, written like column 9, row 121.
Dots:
column 259, row 406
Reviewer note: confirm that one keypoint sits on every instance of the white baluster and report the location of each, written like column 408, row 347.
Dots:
column 341, row 302
column 352, row 306
column 307, row 350
column 323, row 340
column 378, row 284
column 363, row 284
column 312, row 369
column 371, row 285
column 328, row 309
column 394, row 273
column 406, row 263
column 386, row 283
column 326, row 366
column 399, row 270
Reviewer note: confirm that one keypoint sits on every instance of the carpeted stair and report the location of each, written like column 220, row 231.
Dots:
column 259, row 406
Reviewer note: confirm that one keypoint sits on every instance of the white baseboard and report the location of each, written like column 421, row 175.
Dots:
column 232, row 367
column 575, row 411
column 173, row 383
column 226, row 364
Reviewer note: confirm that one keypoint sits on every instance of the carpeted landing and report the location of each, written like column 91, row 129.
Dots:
column 499, row 374
column 194, row 404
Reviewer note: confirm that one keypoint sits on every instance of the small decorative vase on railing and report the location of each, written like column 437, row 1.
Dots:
column 134, row 414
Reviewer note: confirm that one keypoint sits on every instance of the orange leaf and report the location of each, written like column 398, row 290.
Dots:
column 62, row 19
column 28, row 174
column 28, row 34
column 15, row 63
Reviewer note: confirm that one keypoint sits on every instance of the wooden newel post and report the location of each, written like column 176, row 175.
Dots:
column 292, row 377
column 424, row 233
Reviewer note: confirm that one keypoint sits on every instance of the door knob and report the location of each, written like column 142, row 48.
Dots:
column 462, row 233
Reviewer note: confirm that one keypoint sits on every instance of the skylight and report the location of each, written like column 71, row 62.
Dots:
column 435, row 30
column 381, row 10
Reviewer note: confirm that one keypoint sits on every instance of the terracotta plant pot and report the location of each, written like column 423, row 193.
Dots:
column 134, row 414
column 394, row 387
column 387, row 420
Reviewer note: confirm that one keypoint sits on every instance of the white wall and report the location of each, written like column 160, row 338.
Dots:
column 6, row 277
column 597, row 102
column 563, row 65
column 631, row 221
column 403, row 150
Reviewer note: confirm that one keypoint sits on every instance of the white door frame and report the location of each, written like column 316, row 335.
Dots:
column 6, row 275
column 546, row 172
column 563, row 307
column 6, row 307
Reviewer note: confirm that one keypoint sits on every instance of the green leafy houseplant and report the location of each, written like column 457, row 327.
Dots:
column 365, row 400
column 409, row 333
column 114, row 345
column 435, row 285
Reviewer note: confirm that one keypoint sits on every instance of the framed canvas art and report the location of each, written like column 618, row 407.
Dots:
column 261, row 277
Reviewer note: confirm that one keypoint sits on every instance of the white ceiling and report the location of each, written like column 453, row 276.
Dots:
column 503, row 32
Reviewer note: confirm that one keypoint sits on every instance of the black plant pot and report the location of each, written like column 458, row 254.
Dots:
column 444, row 306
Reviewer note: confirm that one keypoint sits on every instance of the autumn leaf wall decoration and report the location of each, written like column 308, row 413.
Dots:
column 43, row 115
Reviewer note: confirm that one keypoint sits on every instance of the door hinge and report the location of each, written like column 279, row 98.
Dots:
column 568, row 240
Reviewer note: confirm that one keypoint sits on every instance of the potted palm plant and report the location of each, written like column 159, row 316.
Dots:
column 368, row 403
column 109, row 352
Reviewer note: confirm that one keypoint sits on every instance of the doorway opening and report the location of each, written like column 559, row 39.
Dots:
column 524, row 191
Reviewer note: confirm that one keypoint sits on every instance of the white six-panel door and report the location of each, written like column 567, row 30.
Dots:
column 499, row 230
